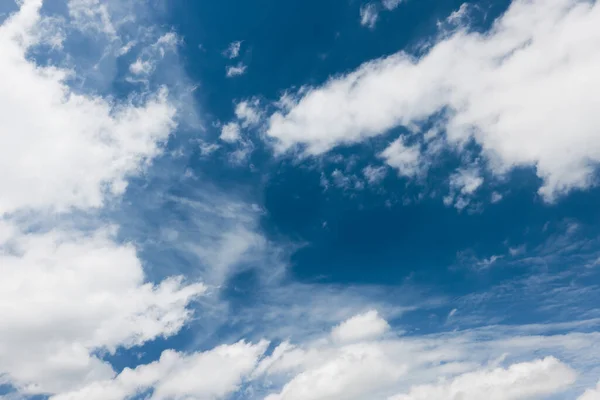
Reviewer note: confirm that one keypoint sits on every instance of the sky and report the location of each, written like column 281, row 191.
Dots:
column 300, row 200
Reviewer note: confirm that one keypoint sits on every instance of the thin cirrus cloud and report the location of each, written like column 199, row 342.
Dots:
column 369, row 12
column 233, row 50
column 232, row 71
column 525, row 91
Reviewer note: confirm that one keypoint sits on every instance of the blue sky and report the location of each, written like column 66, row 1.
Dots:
column 305, row 200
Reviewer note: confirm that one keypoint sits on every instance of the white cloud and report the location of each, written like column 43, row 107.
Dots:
column 207, row 149
column 457, row 365
column 352, row 374
column 406, row 159
column 92, row 15
column 452, row 313
column 140, row 67
column 233, row 51
column 466, row 181
column 235, row 70
column 248, row 112
column 496, row 197
column 373, row 174
column 360, row 327
column 463, row 184
column 68, row 294
column 369, row 14
column 521, row 381
column 391, row 4
column 106, row 141
column 175, row 376
column 517, row 250
column 70, row 290
column 459, row 15
column 146, row 62
column 591, row 394
column 488, row 262
column 525, row 91
column 230, row 132
column 343, row 181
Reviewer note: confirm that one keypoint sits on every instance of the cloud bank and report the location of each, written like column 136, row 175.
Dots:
column 524, row 91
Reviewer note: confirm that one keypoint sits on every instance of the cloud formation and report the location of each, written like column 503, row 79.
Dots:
column 524, row 91
column 209, row 375
column 459, row 365
column 71, row 291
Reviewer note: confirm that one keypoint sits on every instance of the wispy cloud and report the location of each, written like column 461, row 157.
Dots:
column 369, row 14
column 233, row 51
column 235, row 70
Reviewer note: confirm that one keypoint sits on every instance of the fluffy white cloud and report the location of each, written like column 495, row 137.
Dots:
column 175, row 376
column 458, row 365
column 248, row 112
column 521, row 381
column 230, row 132
column 406, row 159
column 463, row 184
column 525, row 92
column 352, row 373
column 591, row 394
column 67, row 294
column 364, row 326
column 71, row 291
column 66, row 150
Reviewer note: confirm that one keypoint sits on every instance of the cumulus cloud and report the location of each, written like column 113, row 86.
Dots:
column 463, row 184
column 69, row 294
column 406, row 159
column 521, row 381
column 176, row 376
column 360, row 327
column 70, row 290
column 525, row 92
column 458, row 365
column 230, row 132
column 248, row 112
column 591, row 394
column 106, row 141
